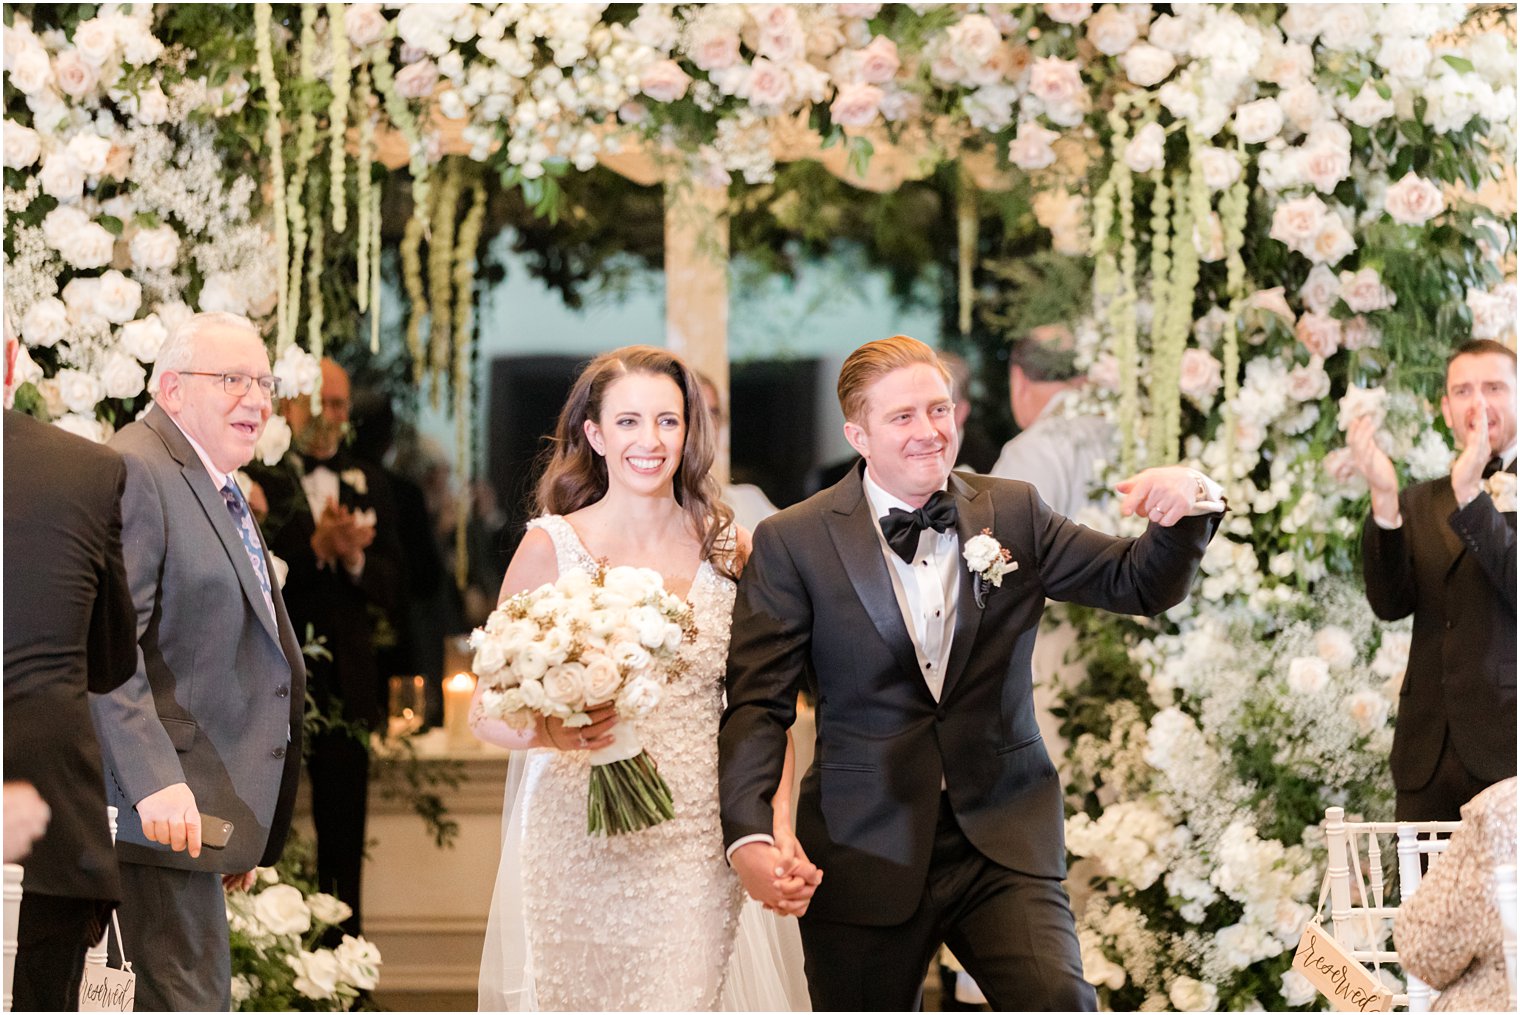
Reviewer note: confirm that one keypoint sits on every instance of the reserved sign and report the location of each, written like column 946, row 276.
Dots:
column 107, row 989
column 1348, row 984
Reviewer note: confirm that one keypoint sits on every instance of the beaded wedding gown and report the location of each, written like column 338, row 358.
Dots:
column 645, row 921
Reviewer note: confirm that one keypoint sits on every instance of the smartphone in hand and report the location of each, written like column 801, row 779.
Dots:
column 215, row 831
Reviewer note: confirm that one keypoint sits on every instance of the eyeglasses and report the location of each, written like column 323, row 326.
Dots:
column 237, row 385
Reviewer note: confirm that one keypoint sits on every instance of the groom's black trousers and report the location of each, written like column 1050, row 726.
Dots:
column 1013, row 932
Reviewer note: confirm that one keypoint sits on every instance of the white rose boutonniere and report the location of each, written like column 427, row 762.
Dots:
column 1501, row 487
column 988, row 560
column 355, row 480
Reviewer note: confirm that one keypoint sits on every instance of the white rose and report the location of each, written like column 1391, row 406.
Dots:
column 1335, row 647
column 1319, row 333
column 1364, row 291
column 1308, row 383
column 221, row 292
column 1334, row 242
column 1320, row 290
column 282, row 910
column 980, row 551
column 1188, row 994
column 531, row 664
column 138, row 46
column 1368, row 709
column 1493, row 314
column 316, row 972
column 95, row 41
column 639, row 697
column 1359, row 402
column 156, row 248
column 1031, row 146
column 565, row 686
column 81, row 296
column 879, row 61
column 490, row 654
column 1297, row 991
column 118, row 297
column 327, row 908
column 417, row 80
column 664, row 81
column 82, row 425
column 1200, row 376
column 1208, row 238
column 30, row 71
column 712, row 46
column 78, row 390
column 173, row 314
column 1147, row 149
column 75, row 75
column 1220, row 168
column 1147, row 65
column 364, row 23
column 973, row 41
column 122, row 376
column 45, row 322
column 990, row 107
column 630, row 656
column 150, row 106
column 1359, row 333
column 79, row 241
column 22, row 145
column 1324, row 166
column 1068, row 14
column 602, row 678
column 532, row 691
column 1392, row 655
column 296, row 372
column 633, row 583
column 1369, row 108
column 1111, row 30
column 1284, row 64
column 1056, row 82
column 1170, row 33
column 1413, row 201
column 61, row 178
column 1301, row 105
column 359, row 961
column 1297, row 222
column 1258, row 122
column 1404, row 58
column 274, row 441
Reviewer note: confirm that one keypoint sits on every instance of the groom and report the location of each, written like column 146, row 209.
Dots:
column 931, row 804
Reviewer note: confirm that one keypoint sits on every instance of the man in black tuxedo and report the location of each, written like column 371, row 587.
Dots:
column 931, row 806
column 1444, row 550
column 69, row 629
column 332, row 521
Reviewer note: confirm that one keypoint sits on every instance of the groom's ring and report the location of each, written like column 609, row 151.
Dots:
column 582, row 739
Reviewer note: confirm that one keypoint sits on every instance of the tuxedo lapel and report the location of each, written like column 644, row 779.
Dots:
column 1445, row 506
column 975, row 514
column 855, row 538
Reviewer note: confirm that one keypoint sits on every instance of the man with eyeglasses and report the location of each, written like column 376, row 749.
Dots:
column 210, row 722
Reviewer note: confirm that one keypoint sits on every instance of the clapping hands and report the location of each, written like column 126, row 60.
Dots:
column 1467, row 470
column 342, row 536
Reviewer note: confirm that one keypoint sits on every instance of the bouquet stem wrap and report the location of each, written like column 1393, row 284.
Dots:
column 627, row 792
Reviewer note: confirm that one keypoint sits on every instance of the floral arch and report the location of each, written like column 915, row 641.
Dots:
column 1292, row 213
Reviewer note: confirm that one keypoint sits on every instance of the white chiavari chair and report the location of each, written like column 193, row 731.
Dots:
column 1363, row 922
column 1504, row 892
column 13, row 875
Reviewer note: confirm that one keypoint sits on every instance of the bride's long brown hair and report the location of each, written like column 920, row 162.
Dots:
column 574, row 475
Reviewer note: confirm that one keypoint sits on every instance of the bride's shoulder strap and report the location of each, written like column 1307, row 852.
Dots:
column 568, row 549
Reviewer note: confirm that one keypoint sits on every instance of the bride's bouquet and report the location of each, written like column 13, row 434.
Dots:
column 585, row 640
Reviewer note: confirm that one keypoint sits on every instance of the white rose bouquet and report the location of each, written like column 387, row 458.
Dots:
column 585, row 640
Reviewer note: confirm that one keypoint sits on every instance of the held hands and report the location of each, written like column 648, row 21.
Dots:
column 171, row 817
column 1377, row 469
column 1467, row 470
column 341, row 537
column 239, row 882
column 779, row 877
column 1164, row 495
column 597, row 734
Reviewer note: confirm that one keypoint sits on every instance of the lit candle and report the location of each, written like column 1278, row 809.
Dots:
column 457, row 692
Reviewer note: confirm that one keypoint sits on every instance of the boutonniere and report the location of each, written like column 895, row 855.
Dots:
column 355, row 480
column 987, row 560
column 1501, row 487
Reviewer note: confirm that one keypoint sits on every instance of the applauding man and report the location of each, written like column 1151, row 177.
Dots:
column 1444, row 550
column 210, row 722
column 907, row 597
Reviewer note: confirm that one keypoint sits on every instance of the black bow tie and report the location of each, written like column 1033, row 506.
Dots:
column 311, row 462
column 1495, row 464
column 902, row 528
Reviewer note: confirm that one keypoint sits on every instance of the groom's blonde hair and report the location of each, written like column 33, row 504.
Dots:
column 872, row 361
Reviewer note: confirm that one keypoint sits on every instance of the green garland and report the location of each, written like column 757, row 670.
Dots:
column 274, row 138
column 306, row 144
column 464, row 333
column 440, row 278
column 337, row 117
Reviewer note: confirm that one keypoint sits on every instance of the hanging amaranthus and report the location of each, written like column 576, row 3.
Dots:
column 337, row 117
column 440, row 276
column 315, row 264
column 306, row 144
column 416, row 293
column 374, row 267
column 1121, row 308
column 965, row 235
column 365, row 182
column 1171, row 335
column 1161, row 248
column 464, row 329
column 402, row 118
column 1232, row 214
column 274, row 139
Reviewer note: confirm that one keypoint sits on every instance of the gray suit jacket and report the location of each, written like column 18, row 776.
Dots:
column 219, row 692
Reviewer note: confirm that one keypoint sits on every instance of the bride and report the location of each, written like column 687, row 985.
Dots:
column 646, row 920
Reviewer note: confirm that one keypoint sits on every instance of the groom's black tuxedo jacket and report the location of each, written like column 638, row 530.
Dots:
column 1455, row 571
column 815, row 605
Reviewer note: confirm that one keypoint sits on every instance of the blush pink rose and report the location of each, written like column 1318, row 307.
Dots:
column 1319, row 333
column 1413, row 201
column 856, row 105
column 664, row 81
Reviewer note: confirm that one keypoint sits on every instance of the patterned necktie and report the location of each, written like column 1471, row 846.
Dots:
column 902, row 528
column 244, row 522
